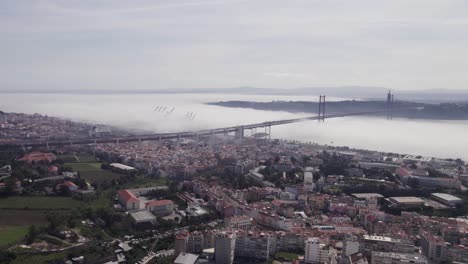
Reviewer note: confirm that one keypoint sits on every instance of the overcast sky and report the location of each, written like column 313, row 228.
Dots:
column 160, row 44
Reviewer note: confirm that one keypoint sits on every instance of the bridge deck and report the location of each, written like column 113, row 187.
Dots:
column 176, row 135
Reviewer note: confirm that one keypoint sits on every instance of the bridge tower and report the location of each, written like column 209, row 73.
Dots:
column 389, row 107
column 321, row 114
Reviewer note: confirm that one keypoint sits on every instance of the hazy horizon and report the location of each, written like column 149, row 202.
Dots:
column 154, row 45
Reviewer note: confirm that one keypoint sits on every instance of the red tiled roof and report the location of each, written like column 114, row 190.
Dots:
column 69, row 184
column 402, row 172
column 127, row 195
column 38, row 156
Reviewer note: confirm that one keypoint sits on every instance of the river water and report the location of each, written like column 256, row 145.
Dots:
column 446, row 139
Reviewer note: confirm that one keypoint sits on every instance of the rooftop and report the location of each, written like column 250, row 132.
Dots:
column 186, row 258
column 159, row 203
column 367, row 195
column 447, row 197
column 121, row 166
column 408, row 199
column 142, row 216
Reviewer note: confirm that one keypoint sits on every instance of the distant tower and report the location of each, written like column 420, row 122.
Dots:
column 321, row 115
column 389, row 107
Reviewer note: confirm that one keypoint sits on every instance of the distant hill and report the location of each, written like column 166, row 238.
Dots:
column 442, row 111
column 350, row 92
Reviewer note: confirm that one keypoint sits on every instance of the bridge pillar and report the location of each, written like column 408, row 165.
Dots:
column 117, row 141
column 47, row 145
column 239, row 134
column 160, row 138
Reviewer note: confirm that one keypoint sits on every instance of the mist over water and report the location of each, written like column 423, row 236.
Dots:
column 446, row 139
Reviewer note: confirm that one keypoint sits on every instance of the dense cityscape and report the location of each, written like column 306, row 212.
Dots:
column 233, row 132
column 223, row 199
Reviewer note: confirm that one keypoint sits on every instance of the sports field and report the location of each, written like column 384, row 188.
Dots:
column 84, row 166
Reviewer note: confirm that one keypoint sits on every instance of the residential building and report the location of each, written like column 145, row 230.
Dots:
column 433, row 247
column 379, row 257
column 385, row 244
column 225, row 244
column 241, row 222
column 253, row 245
column 315, row 252
column 128, row 200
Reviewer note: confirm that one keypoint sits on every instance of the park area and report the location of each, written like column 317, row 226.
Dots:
column 19, row 212
column 91, row 171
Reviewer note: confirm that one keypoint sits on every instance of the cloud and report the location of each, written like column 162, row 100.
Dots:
column 284, row 74
column 208, row 43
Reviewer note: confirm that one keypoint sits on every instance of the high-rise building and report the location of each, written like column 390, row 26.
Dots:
column 309, row 179
column 225, row 244
column 253, row 245
column 181, row 243
column 351, row 245
column 433, row 247
column 315, row 252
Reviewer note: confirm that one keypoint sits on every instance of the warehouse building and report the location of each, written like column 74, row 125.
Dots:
column 446, row 199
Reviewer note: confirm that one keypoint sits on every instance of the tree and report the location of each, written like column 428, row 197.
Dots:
column 7, row 256
column 32, row 234
column 10, row 185
column 413, row 182
column 64, row 191
column 55, row 220
column 80, row 182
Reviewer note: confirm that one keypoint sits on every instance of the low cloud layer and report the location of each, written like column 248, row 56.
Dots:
column 164, row 44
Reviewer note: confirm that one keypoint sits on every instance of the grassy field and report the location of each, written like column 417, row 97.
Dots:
column 286, row 256
column 92, row 172
column 143, row 181
column 99, row 176
column 86, row 159
column 71, row 158
column 67, row 157
column 23, row 202
column 39, row 259
column 12, row 234
column 22, row 217
column 84, row 166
